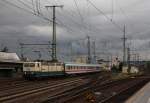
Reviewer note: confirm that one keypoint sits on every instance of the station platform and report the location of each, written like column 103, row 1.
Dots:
column 142, row 96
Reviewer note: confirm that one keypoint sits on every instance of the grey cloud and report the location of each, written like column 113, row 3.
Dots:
column 18, row 25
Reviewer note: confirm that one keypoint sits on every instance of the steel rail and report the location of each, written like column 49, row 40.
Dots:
column 14, row 96
column 136, row 83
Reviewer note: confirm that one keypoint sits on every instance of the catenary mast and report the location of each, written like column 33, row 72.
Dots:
column 54, row 43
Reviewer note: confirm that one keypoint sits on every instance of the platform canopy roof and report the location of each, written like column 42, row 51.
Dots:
column 9, row 57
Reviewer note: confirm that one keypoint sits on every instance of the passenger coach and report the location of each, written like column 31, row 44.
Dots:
column 74, row 68
column 48, row 69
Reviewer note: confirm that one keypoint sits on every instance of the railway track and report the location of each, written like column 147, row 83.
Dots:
column 102, row 91
column 70, row 94
column 124, row 92
column 28, row 84
column 21, row 95
column 16, row 83
column 37, row 91
column 27, row 93
column 107, row 92
column 11, row 81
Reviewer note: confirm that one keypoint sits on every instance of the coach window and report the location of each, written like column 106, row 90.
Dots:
column 68, row 67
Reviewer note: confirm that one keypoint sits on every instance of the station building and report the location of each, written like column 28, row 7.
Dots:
column 10, row 65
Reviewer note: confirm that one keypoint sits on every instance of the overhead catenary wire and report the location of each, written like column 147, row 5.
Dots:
column 28, row 11
column 33, row 7
column 37, row 7
column 26, row 5
column 79, row 24
column 68, row 28
column 78, row 10
column 95, row 30
column 112, row 10
column 88, row 14
column 15, row 5
column 109, row 19
column 125, row 15
column 71, row 18
column 61, row 23
column 82, row 18
column 40, row 6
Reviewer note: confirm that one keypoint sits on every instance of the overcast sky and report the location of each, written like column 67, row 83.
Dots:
column 76, row 20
